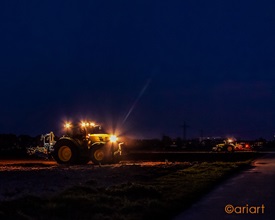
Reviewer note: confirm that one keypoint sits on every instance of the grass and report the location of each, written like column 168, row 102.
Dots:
column 163, row 196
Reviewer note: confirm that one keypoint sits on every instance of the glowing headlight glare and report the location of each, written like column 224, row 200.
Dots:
column 230, row 140
column 67, row 125
column 83, row 124
column 113, row 138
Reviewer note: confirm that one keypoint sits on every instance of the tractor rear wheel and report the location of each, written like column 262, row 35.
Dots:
column 65, row 153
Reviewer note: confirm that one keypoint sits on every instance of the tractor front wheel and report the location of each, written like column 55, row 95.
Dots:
column 98, row 154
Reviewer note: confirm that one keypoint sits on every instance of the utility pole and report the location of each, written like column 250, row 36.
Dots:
column 184, row 128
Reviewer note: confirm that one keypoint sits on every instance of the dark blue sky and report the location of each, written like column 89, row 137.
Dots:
column 209, row 63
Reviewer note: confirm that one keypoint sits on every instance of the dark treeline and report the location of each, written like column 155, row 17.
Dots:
column 167, row 143
column 12, row 145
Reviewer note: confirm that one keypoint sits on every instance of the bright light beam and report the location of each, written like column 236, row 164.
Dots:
column 137, row 99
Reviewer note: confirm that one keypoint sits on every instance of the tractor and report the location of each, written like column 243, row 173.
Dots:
column 228, row 145
column 81, row 143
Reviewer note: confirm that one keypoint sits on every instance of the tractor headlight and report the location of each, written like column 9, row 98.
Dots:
column 113, row 138
column 230, row 140
column 67, row 125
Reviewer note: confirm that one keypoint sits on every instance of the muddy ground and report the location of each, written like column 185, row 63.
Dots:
column 47, row 178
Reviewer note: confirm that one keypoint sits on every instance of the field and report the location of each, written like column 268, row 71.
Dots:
column 129, row 190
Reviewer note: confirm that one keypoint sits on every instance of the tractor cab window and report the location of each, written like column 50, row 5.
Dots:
column 96, row 130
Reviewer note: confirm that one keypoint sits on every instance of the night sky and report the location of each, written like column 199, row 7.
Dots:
column 144, row 67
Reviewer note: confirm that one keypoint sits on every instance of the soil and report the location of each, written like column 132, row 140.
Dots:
column 47, row 178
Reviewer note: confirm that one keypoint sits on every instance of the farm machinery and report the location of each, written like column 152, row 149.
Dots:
column 79, row 144
column 231, row 145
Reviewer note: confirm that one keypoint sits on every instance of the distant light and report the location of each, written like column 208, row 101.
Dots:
column 83, row 124
column 113, row 138
column 92, row 124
